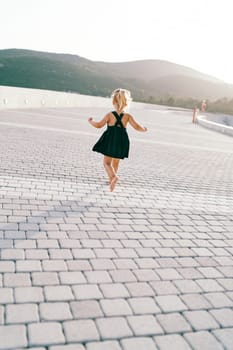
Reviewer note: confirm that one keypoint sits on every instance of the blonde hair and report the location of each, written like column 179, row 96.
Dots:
column 121, row 98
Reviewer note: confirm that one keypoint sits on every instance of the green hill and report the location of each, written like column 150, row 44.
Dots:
column 149, row 80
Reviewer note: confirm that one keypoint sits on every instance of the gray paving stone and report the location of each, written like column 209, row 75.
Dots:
column 9, row 342
column 170, row 303
column 189, row 273
column 173, row 323
column 230, row 295
column 115, row 307
column 102, row 264
column 55, row 311
column 144, row 325
column 86, row 309
column 164, row 287
column 91, row 243
column 39, row 254
column 146, row 275
column 195, row 301
column 143, row 306
column 46, row 333
column 166, row 252
column 58, row 293
column 209, row 285
column 225, row 337
column 224, row 260
column 78, row 265
column 12, row 254
column 4, row 243
column 145, row 252
column 171, row 341
column 139, row 289
column 66, row 347
column 201, row 320
column 87, row 291
column 16, row 279
column 6, row 295
column 8, row 226
column 28, row 266
column 219, row 300
column 80, row 331
column 81, row 253
column 112, row 243
column 146, row 263
column 126, row 253
column 206, row 261
column 54, row 265
column 115, row 290
column 22, row 313
column 138, row 343
column 223, row 316
column 210, row 272
column 44, row 278
column 47, row 243
column 150, row 243
column 105, row 253
column 69, row 243
column 187, row 286
column 187, row 262
column 104, row 345
column 60, row 254
column 28, row 294
column 168, row 274
column 7, row 266
column 40, row 348
column 167, row 262
column 122, row 276
column 226, row 271
column 202, row 251
column 98, row 277
column 113, row 328
column 203, row 340
column 72, row 277
column 1, row 314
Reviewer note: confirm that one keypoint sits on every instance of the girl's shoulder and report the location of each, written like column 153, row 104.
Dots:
column 108, row 115
column 127, row 115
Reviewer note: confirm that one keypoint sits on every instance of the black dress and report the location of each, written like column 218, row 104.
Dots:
column 114, row 142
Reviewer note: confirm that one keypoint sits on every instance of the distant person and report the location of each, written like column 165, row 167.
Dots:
column 203, row 106
column 114, row 142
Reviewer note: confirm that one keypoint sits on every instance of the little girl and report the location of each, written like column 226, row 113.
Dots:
column 114, row 142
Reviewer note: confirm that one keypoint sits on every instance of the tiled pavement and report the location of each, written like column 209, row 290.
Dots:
column 149, row 266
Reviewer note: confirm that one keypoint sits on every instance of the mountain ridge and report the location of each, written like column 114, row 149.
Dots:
column 148, row 79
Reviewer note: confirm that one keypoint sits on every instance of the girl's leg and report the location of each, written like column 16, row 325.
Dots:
column 115, row 164
column 110, row 171
column 108, row 167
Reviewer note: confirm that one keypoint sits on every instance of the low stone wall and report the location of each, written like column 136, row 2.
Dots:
column 12, row 97
column 217, row 126
column 15, row 98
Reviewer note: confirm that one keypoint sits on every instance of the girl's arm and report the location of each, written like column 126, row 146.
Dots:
column 136, row 125
column 99, row 124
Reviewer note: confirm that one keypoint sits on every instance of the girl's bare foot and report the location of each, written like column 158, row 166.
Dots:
column 113, row 183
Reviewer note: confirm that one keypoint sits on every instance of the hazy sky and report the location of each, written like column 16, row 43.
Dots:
column 194, row 33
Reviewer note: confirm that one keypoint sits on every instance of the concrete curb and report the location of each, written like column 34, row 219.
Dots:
column 202, row 120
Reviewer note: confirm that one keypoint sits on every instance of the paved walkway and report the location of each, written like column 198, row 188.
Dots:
column 149, row 266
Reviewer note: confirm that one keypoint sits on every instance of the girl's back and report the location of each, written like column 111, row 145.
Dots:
column 112, row 119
